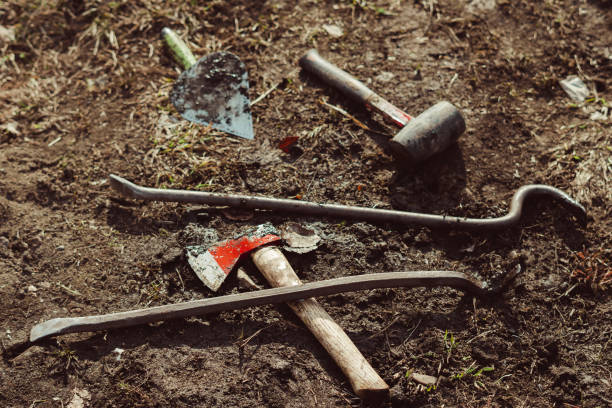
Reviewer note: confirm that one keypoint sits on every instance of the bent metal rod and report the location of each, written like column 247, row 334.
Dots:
column 457, row 280
column 376, row 215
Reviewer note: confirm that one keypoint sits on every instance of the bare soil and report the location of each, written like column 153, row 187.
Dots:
column 84, row 92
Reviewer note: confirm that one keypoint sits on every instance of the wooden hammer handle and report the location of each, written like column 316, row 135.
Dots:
column 352, row 87
column 365, row 381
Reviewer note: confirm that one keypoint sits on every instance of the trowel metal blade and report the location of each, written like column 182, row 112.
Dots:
column 215, row 91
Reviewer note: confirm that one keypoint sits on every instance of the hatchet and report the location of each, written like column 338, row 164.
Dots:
column 214, row 264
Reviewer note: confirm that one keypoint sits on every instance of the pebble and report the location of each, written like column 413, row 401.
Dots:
column 118, row 351
column 333, row 30
column 7, row 35
column 280, row 364
column 424, row 379
column 384, row 76
column 422, row 238
column 79, row 399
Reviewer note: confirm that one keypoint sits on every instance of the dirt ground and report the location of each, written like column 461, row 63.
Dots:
column 84, row 91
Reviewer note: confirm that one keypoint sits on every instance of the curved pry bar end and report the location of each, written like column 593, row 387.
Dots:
column 121, row 185
column 574, row 206
column 579, row 212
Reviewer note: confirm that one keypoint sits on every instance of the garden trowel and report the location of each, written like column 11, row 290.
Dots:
column 213, row 90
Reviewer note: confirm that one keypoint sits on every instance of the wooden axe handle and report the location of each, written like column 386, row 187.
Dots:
column 365, row 381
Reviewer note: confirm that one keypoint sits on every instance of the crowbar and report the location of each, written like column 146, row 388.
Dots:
column 457, row 280
column 376, row 215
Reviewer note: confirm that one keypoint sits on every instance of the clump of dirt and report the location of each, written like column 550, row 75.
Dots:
column 85, row 92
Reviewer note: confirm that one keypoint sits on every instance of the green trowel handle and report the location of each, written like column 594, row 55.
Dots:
column 179, row 49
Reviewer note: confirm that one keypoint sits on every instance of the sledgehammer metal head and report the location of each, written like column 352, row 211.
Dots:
column 421, row 137
column 429, row 133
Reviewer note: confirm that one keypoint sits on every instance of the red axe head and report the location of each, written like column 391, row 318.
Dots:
column 212, row 265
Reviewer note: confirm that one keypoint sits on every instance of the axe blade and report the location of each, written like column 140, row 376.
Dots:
column 212, row 265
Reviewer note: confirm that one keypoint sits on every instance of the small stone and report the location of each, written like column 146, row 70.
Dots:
column 477, row 6
column 11, row 127
column 280, row 364
column 424, row 379
column 32, row 288
column 333, row 30
column 7, row 35
column 422, row 238
column 385, row 76
column 118, row 351
column 79, row 399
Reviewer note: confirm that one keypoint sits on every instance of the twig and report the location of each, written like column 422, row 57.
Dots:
column 244, row 342
column 480, row 335
column 54, row 141
column 345, row 113
column 180, row 278
column 263, row 95
column 354, row 119
column 69, row 290
column 411, row 333
column 384, row 328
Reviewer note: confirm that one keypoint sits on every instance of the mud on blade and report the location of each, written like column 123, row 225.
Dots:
column 215, row 91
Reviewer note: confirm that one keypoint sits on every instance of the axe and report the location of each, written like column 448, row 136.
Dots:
column 214, row 264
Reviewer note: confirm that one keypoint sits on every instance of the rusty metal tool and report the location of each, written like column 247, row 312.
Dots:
column 212, row 90
column 376, row 215
column 420, row 137
column 412, row 279
column 365, row 381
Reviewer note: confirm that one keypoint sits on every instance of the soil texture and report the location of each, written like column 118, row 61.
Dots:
column 84, row 93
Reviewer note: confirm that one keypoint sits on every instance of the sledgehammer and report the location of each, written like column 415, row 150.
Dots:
column 420, row 137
